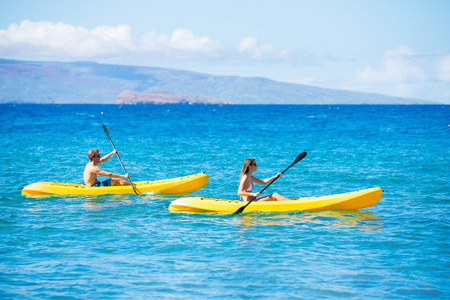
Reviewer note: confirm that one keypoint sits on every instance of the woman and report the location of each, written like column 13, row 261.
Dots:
column 246, row 183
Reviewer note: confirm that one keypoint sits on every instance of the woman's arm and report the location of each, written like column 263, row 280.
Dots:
column 266, row 181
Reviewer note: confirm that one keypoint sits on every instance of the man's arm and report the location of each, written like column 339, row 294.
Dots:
column 100, row 172
column 107, row 156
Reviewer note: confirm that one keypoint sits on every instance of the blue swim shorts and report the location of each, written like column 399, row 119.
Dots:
column 106, row 182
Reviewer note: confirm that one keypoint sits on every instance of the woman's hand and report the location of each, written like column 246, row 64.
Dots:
column 256, row 195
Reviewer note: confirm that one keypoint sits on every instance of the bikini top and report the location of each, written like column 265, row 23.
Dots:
column 250, row 186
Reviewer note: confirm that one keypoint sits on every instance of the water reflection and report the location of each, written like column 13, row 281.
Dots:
column 101, row 201
column 365, row 220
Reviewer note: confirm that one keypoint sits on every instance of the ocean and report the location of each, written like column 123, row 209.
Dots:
column 133, row 247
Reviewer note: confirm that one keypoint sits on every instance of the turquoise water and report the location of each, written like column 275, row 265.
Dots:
column 129, row 247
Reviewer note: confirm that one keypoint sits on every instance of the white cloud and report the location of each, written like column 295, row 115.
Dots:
column 402, row 73
column 59, row 40
column 399, row 52
column 250, row 47
column 181, row 44
column 443, row 68
column 185, row 40
column 63, row 40
column 398, row 66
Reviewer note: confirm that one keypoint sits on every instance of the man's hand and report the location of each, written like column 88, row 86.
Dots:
column 126, row 176
column 114, row 152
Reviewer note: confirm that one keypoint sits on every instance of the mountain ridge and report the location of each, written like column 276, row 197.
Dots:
column 91, row 82
column 130, row 97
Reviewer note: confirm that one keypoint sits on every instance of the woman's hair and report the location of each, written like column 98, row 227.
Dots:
column 247, row 162
column 92, row 153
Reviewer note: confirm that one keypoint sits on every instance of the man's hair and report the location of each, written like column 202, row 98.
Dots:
column 92, row 153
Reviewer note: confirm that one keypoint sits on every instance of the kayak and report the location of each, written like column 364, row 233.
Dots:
column 347, row 201
column 170, row 186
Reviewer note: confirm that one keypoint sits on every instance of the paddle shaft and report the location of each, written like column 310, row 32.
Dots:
column 300, row 157
column 109, row 137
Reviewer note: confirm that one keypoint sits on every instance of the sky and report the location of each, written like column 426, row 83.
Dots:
column 397, row 48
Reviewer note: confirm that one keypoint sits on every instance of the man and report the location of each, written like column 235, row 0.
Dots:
column 92, row 170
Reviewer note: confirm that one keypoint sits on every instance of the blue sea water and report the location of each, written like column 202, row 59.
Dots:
column 133, row 247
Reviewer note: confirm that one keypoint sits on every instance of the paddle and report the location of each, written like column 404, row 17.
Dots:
column 109, row 137
column 299, row 158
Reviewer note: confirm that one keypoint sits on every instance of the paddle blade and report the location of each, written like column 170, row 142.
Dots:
column 106, row 131
column 300, row 157
column 240, row 210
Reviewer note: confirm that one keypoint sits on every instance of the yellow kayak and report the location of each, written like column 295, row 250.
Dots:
column 353, row 200
column 170, row 186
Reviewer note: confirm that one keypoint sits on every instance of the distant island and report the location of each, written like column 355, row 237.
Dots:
column 130, row 97
column 94, row 83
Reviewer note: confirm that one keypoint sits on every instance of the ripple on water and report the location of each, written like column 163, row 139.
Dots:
column 133, row 247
